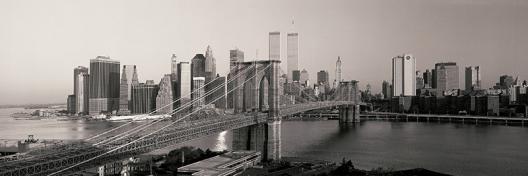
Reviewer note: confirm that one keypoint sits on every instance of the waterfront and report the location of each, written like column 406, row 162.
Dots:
column 444, row 147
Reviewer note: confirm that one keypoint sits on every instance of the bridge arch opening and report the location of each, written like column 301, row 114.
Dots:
column 263, row 94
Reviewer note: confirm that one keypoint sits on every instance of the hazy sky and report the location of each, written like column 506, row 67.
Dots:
column 42, row 41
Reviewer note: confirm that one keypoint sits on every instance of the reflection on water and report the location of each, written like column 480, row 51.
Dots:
column 221, row 142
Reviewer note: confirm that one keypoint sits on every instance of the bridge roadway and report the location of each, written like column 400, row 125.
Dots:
column 47, row 161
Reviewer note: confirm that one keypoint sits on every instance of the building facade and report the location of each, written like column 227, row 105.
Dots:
column 198, row 92
column 473, row 79
column 183, row 92
column 292, row 43
column 428, row 79
column 296, row 76
column 338, row 78
column 386, row 89
column 420, row 83
column 174, row 68
column 164, row 97
column 144, row 97
column 235, row 56
column 104, row 85
column 404, row 75
column 305, row 77
column 210, row 65
column 446, row 77
column 322, row 77
column 129, row 77
column 274, row 46
column 70, row 104
column 81, row 88
column 198, row 66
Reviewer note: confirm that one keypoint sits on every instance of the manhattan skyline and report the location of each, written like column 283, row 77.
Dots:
column 43, row 41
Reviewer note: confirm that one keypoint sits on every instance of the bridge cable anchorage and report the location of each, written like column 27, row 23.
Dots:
column 170, row 104
column 60, row 151
column 158, row 130
column 179, row 109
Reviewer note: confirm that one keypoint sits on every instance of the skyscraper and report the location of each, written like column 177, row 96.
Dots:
column 210, row 65
column 144, row 97
column 70, row 104
column 235, row 56
column 198, row 92
column 404, row 75
column 183, row 92
column 386, row 90
column 80, row 89
column 198, row 65
column 129, row 78
column 322, row 77
column 274, row 46
column 473, row 78
column 304, row 77
column 296, row 75
column 292, row 40
column 104, row 85
column 338, row 78
column 446, row 77
column 428, row 79
column 164, row 97
column 174, row 68
column 420, row 83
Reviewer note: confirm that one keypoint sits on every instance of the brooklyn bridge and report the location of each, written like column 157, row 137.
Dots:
column 257, row 111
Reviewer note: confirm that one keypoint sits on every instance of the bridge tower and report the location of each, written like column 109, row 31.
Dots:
column 260, row 93
column 348, row 91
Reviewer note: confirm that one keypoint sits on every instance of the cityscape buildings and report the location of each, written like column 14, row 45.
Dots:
column 274, row 46
column 210, row 65
column 292, row 44
column 304, row 78
column 420, row 83
column 296, row 76
column 446, row 77
column 104, row 85
column 386, row 90
column 235, row 56
column 473, row 78
column 198, row 92
column 80, row 90
column 129, row 77
column 164, row 97
column 70, row 104
column 428, row 79
column 174, row 68
column 322, row 77
column 404, row 75
column 144, row 97
column 198, row 66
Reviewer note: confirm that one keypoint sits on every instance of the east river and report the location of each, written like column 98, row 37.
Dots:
column 444, row 147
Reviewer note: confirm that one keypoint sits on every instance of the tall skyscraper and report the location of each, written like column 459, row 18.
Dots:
column 183, row 92
column 473, row 78
column 174, row 68
column 104, row 85
column 198, row 92
column 274, row 46
column 292, row 40
column 338, row 78
column 404, row 75
column 198, row 66
column 304, row 77
column 446, row 77
column 164, row 97
column 70, row 104
column 420, row 83
column 144, row 97
column 428, row 79
column 129, row 78
column 80, row 90
column 235, row 56
column 210, row 65
column 386, row 90
column 322, row 77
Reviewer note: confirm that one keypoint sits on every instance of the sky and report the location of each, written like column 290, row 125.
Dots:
column 42, row 41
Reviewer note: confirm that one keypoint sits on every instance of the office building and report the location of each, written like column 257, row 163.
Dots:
column 338, row 78
column 304, row 78
column 386, row 89
column 164, row 97
column 274, row 46
column 70, row 104
column 473, row 78
column 296, row 76
column 210, row 65
column 446, row 77
column 235, row 56
column 428, row 79
column 404, row 75
column 198, row 66
column 129, row 77
column 104, row 85
column 292, row 43
column 420, row 83
column 198, row 92
column 144, row 97
column 322, row 77
column 217, row 97
column 174, row 68
column 183, row 92
column 81, row 89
